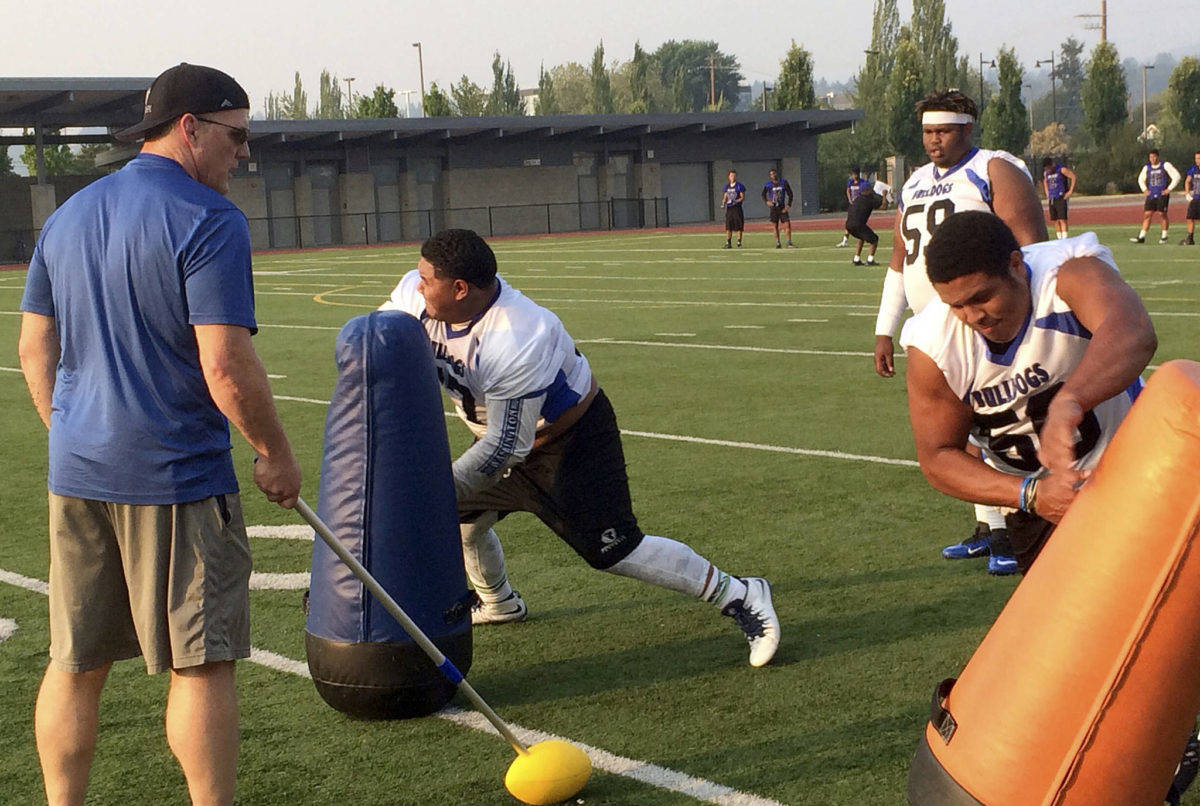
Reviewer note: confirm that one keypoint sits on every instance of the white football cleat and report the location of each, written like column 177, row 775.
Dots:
column 512, row 608
column 755, row 615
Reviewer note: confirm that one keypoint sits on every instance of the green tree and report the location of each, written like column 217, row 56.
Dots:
column 1068, row 77
column 906, row 86
column 602, row 98
column 1104, row 95
column 60, row 160
column 684, row 67
column 639, row 81
column 437, row 103
column 546, row 103
column 329, row 98
column 794, row 89
column 286, row 106
column 1184, row 87
column 470, row 99
column 935, row 42
column 870, row 92
column 572, row 88
column 379, row 104
column 505, row 97
column 1006, row 120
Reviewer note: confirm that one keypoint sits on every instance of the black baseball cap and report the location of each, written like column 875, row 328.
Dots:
column 182, row 89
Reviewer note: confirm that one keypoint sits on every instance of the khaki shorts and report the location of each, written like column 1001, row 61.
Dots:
column 168, row 582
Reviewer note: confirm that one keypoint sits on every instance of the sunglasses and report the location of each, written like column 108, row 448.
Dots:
column 236, row 133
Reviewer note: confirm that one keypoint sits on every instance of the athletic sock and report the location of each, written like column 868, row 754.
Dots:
column 990, row 515
column 676, row 566
column 483, row 559
column 1142, row 234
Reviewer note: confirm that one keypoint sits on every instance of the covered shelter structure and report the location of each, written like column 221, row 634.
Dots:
column 329, row 182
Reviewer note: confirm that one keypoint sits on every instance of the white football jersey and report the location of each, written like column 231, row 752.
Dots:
column 1010, row 391
column 515, row 348
column 928, row 197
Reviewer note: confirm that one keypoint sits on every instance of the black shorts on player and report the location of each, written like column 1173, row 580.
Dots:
column 1058, row 209
column 1193, row 209
column 575, row 484
column 779, row 216
column 735, row 221
column 1156, row 205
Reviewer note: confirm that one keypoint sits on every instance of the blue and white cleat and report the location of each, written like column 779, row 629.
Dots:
column 975, row 546
column 1000, row 565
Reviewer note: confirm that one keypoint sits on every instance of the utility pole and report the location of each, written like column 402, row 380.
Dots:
column 712, row 81
column 766, row 89
column 1145, row 67
column 421, row 68
column 992, row 63
column 1053, row 97
column 1102, row 25
column 349, row 96
column 1030, row 88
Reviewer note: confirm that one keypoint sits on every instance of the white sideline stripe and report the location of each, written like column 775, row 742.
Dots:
column 745, row 327
column 7, row 628
column 652, row 774
column 675, row 334
column 880, row 460
column 278, row 582
column 9, row 369
column 302, row 327
column 291, row 531
column 821, row 321
column 21, row 581
column 740, row 348
column 302, row 399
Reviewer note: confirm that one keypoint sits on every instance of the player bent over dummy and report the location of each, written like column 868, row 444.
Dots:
column 1037, row 353
column 546, row 442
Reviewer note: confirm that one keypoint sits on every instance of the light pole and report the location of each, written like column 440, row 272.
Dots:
column 421, row 69
column 1053, row 96
column 349, row 94
column 766, row 89
column 1030, row 88
column 1145, row 67
column 992, row 63
column 407, row 100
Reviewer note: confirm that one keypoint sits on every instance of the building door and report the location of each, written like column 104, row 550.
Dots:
column 686, row 186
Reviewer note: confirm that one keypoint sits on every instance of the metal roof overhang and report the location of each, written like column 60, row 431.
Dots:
column 59, row 103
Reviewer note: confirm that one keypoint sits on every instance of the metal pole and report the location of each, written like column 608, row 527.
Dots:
column 1103, row 20
column 1030, row 88
column 712, row 85
column 421, row 69
column 444, row 664
column 1145, row 67
column 547, row 219
column 349, row 95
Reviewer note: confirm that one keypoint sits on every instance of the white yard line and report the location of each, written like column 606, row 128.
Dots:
column 7, row 628
column 736, row 347
column 645, row 772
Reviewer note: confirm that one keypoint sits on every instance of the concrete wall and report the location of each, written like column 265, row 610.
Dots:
column 249, row 193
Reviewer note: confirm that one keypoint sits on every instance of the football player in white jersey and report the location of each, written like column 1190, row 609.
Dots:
column 958, row 177
column 547, row 442
column 1037, row 353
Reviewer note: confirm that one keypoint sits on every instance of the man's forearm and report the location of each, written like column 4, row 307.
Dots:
column 955, row 472
column 242, row 392
column 39, row 352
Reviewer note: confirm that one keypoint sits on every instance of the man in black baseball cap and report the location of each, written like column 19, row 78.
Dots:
column 185, row 88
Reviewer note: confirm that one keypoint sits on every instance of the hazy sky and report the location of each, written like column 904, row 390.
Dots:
column 262, row 42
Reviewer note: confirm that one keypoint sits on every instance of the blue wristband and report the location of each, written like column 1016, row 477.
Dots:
column 1024, row 503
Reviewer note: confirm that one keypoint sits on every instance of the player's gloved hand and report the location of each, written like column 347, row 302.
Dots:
column 278, row 476
column 1057, row 437
column 1055, row 492
column 885, row 362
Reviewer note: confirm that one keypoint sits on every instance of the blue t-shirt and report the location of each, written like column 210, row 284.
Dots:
column 731, row 193
column 778, row 193
column 857, row 186
column 1194, row 173
column 126, row 267
column 1056, row 182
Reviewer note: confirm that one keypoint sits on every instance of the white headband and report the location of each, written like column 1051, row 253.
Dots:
column 935, row 117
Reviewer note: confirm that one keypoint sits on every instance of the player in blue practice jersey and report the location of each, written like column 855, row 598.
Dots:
column 1157, row 179
column 1059, row 183
column 1191, row 192
column 732, row 196
column 855, row 186
column 777, row 194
